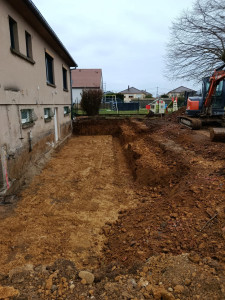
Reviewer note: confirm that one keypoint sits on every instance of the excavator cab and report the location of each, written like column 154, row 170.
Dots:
column 209, row 108
column 195, row 105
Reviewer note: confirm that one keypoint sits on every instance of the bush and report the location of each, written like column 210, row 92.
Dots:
column 91, row 101
column 164, row 96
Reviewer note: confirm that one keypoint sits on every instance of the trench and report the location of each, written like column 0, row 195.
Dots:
column 117, row 196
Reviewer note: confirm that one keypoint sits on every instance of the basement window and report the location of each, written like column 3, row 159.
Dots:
column 28, row 45
column 13, row 34
column 28, row 117
column 49, row 69
column 66, row 110
column 48, row 114
column 64, row 73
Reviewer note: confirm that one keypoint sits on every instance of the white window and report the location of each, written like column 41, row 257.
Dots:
column 66, row 110
column 48, row 114
column 28, row 116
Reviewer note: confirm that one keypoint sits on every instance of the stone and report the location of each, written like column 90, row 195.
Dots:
column 187, row 282
column 8, row 292
column 161, row 293
column 54, row 288
column 145, row 269
column 106, row 229
column 194, row 257
column 48, row 284
column 26, row 268
column 132, row 282
column 179, row 289
column 88, row 276
column 170, row 289
column 143, row 283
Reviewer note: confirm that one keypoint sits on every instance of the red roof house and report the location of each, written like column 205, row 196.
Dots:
column 85, row 79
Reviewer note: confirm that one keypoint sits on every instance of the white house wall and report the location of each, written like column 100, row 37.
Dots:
column 23, row 86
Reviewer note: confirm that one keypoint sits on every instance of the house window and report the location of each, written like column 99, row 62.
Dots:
column 48, row 114
column 66, row 110
column 27, row 117
column 64, row 72
column 28, row 45
column 13, row 34
column 49, row 69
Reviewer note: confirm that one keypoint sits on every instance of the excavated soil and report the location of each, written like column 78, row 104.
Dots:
column 137, row 204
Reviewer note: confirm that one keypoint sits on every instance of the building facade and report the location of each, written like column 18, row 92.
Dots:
column 85, row 79
column 35, row 91
column 180, row 92
column 132, row 93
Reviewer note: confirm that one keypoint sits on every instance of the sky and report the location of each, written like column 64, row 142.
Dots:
column 125, row 38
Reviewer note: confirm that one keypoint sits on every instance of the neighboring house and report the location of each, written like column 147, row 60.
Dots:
column 180, row 91
column 132, row 93
column 35, row 91
column 85, row 79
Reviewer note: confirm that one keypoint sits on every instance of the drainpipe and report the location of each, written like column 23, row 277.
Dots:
column 30, row 137
column 71, row 92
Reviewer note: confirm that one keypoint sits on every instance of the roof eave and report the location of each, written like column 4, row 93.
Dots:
column 32, row 7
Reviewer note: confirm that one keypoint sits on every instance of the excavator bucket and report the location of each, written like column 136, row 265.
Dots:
column 217, row 134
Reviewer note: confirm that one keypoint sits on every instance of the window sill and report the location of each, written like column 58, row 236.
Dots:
column 66, row 90
column 17, row 53
column 48, row 120
column 50, row 84
column 27, row 125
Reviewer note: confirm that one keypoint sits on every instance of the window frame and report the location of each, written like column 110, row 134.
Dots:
column 28, row 41
column 65, row 81
column 30, row 117
column 13, row 30
column 66, row 110
column 47, row 114
column 49, row 66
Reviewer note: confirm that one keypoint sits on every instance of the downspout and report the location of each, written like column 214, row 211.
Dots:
column 71, row 92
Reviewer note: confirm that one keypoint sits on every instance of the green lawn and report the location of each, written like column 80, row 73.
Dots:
column 141, row 111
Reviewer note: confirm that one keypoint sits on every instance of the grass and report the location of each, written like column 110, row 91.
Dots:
column 141, row 111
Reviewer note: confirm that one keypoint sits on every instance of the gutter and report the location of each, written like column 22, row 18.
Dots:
column 42, row 20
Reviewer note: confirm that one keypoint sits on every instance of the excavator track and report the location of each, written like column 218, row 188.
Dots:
column 191, row 123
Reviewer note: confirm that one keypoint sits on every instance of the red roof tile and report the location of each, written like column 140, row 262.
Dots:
column 86, row 78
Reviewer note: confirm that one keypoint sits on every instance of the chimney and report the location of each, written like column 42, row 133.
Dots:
column 128, row 87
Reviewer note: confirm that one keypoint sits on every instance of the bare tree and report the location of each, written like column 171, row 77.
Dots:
column 197, row 41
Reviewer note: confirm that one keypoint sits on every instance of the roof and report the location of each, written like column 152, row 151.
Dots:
column 86, row 78
column 145, row 92
column 28, row 10
column 131, row 90
column 181, row 89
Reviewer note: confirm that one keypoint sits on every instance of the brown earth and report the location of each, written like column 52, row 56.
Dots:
column 141, row 209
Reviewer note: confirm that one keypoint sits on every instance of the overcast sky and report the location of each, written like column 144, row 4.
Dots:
column 125, row 38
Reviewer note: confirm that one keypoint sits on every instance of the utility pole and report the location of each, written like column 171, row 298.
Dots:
column 157, row 92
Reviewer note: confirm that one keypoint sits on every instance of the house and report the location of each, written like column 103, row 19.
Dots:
column 180, row 92
column 132, row 93
column 35, row 91
column 85, row 79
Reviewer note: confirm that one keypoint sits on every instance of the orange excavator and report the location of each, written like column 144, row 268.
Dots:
column 209, row 109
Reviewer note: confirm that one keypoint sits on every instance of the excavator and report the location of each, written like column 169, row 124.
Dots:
column 209, row 109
